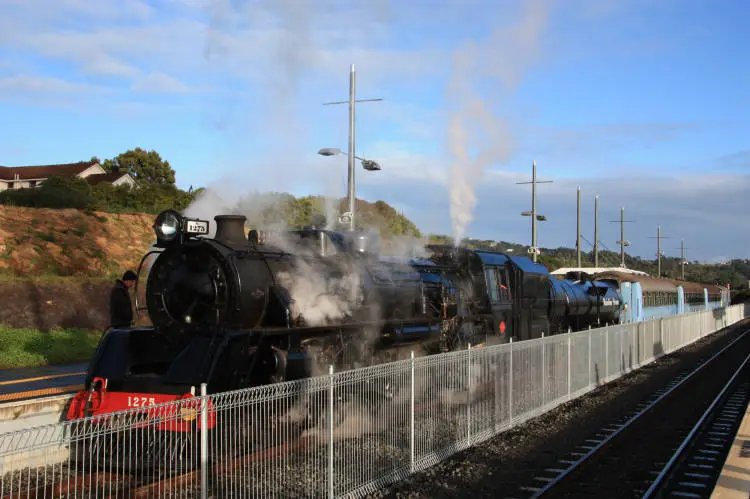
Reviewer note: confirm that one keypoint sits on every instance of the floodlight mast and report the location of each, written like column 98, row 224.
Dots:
column 658, row 238
column 534, row 250
column 370, row 165
column 622, row 242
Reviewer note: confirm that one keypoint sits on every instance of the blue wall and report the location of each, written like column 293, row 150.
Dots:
column 632, row 296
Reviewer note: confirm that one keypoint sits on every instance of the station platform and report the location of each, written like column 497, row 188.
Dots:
column 33, row 382
column 734, row 481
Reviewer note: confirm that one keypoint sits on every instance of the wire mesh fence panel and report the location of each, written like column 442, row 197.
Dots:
column 155, row 448
column 371, row 429
column 556, row 369
column 581, row 363
column 598, row 354
column 332, row 435
column 488, row 393
column 674, row 326
column 614, row 368
column 441, row 392
column 270, row 440
column 526, row 383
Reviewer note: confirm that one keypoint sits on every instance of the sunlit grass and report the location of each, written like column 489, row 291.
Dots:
column 31, row 347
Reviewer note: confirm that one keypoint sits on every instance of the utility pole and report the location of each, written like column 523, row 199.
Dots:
column 534, row 250
column 659, row 237
column 596, row 231
column 682, row 259
column 350, row 179
column 578, row 227
column 622, row 242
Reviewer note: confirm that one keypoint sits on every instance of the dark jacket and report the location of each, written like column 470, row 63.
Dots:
column 120, row 307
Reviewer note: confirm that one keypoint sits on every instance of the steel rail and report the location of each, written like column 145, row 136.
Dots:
column 670, row 464
column 559, row 478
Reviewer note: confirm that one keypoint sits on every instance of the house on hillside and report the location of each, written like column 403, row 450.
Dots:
column 19, row 177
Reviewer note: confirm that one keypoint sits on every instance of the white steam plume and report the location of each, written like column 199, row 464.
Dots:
column 473, row 127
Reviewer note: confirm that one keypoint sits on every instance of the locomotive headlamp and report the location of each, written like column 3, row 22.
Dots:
column 171, row 226
column 167, row 226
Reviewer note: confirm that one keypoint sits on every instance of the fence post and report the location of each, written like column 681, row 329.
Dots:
column 606, row 352
column 544, row 384
column 330, row 430
column 204, row 442
column 589, row 355
column 411, row 416
column 570, row 361
column 498, row 390
column 621, row 360
column 468, row 397
column 661, row 337
column 510, row 385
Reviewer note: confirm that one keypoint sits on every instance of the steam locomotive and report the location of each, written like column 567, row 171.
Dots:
column 239, row 310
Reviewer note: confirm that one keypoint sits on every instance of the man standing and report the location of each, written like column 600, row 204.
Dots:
column 120, row 306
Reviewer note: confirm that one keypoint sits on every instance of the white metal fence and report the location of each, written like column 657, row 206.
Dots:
column 342, row 434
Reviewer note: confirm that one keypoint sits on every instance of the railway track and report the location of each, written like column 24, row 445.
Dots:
column 694, row 468
column 680, row 435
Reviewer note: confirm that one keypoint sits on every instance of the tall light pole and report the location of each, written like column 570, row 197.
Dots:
column 596, row 231
column 682, row 259
column 658, row 238
column 622, row 242
column 534, row 250
column 578, row 227
column 350, row 179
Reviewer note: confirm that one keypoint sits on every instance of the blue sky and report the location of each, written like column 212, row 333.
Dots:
column 642, row 102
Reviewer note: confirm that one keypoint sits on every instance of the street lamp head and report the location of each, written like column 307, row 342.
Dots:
column 329, row 151
column 370, row 165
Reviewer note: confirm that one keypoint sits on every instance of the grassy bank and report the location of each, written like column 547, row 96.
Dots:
column 31, row 347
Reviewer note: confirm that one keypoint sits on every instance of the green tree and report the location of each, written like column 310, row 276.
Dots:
column 146, row 167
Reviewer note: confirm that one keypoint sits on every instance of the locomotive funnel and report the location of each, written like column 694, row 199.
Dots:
column 230, row 229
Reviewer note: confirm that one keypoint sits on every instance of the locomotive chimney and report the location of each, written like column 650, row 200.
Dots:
column 230, row 229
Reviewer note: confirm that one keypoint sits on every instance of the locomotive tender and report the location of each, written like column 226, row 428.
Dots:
column 238, row 310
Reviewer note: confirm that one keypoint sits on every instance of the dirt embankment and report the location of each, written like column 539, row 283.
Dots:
column 43, row 242
column 45, row 305
column 58, row 266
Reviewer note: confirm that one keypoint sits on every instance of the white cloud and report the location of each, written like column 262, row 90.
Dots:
column 159, row 83
column 30, row 84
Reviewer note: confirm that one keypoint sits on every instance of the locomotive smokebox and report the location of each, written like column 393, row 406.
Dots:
column 230, row 229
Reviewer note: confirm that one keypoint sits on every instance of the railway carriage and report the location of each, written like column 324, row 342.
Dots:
column 645, row 297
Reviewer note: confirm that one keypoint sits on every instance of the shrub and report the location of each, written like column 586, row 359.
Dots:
column 55, row 192
column 74, row 192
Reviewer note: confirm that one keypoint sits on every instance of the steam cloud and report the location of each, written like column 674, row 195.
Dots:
column 472, row 124
column 317, row 298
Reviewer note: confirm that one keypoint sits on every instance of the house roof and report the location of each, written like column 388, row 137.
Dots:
column 44, row 171
column 105, row 177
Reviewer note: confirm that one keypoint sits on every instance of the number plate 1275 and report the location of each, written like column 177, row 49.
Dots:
column 197, row 227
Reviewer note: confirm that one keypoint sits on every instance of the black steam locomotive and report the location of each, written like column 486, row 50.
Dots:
column 244, row 309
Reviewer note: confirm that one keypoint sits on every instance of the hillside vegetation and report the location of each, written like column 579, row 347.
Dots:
column 70, row 242
column 46, row 242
